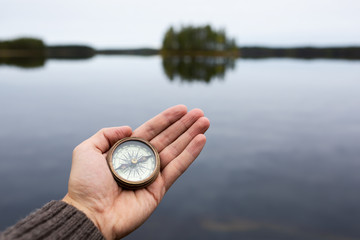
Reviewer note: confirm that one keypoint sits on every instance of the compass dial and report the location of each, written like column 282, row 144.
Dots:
column 133, row 162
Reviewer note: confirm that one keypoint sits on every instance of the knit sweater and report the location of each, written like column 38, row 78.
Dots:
column 55, row 220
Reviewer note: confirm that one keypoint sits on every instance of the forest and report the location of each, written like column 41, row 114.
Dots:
column 202, row 38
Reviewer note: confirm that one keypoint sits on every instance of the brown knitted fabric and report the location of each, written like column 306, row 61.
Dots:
column 56, row 220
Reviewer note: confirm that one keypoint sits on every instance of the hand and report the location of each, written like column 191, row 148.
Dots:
column 178, row 136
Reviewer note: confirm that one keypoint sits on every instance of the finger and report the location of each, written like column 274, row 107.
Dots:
column 160, row 122
column 178, row 146
column 178, row 166
column 170, row 134
column 106, row 137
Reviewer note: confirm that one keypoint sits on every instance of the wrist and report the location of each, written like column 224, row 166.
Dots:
column 105, row 229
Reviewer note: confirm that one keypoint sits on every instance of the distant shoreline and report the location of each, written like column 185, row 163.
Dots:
column 349, row 52
column 256, row 52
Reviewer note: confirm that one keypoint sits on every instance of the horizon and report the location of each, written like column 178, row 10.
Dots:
column 82, row 44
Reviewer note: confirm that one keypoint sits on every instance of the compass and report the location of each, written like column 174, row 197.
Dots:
column 134, row 162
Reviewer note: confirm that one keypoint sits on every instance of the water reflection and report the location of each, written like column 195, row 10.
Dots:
column 26, row 62
column 185, row 68
column 196, row 68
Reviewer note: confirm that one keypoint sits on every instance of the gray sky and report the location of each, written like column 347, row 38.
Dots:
column 135, row 23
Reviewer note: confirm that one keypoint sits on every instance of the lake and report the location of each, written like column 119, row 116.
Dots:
column 282, row 159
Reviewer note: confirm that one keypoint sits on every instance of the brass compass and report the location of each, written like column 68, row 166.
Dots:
column 134, row 162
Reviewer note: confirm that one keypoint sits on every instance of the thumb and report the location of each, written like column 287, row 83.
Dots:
column 106, row 137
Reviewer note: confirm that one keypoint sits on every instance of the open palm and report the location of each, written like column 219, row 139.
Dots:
column 178, row 137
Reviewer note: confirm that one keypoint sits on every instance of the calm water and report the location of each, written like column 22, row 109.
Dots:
column 282, row 159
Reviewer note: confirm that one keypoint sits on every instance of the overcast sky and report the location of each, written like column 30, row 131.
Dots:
column 135, row 23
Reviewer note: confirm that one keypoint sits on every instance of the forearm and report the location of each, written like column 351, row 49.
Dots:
column 56, row 220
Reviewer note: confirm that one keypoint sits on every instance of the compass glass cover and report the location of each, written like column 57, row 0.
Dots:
column 134, row 161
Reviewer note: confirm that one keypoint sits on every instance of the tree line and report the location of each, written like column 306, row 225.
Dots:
column 23, row 44
column 201, row 38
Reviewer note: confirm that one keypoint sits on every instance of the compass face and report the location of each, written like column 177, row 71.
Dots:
column 133, row 162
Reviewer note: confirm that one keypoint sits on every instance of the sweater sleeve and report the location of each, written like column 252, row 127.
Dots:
column 55, row 220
